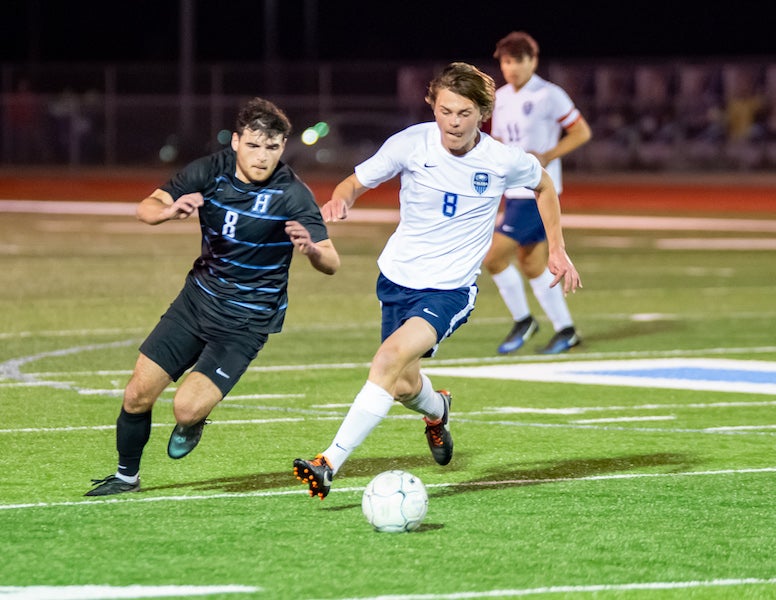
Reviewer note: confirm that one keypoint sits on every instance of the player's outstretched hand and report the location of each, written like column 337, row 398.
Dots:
column 335, row 209
column 563, row 269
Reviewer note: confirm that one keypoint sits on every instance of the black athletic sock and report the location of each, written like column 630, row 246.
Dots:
column 132, row 433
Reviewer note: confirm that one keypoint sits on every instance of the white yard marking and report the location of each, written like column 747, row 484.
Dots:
column 716, row 244
column 576, row 589
column 388, row 215
column 139, row 498
column 324, row 417
column 627, row 419
column 578, row 410
column 111, row 592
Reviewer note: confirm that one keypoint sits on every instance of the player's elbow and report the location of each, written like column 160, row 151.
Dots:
column 330, row 266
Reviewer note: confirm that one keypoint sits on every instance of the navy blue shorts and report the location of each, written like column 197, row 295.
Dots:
column 445, row 310
column 185, row 338
column 522, row 222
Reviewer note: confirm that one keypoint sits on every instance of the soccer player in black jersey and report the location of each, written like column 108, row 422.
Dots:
column 253, row 211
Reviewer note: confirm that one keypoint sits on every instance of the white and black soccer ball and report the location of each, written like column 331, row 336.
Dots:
column 395, row 501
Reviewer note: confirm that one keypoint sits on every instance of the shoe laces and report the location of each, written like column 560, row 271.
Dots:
column 320, row 461
column 435, row 431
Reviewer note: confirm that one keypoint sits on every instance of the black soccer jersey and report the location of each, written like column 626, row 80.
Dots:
column 246, row 254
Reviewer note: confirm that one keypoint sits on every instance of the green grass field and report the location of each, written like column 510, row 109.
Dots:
column 558, row 489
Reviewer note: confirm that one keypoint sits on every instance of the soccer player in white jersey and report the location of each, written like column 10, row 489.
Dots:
column 539, row 117
column 452, row 179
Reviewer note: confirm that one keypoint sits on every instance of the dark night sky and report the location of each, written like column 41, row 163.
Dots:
column 234, row 30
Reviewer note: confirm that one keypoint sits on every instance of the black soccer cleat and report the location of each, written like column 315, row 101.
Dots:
column 563, row 341
column 316, row 473
column 521, row 332
column 184, row 439
column 112, row 485
column 440, row 441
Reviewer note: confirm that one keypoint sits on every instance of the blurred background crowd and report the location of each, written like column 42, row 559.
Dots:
column 158, row 83
column 666, row 115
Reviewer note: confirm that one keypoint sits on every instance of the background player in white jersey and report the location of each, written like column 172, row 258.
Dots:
column 539, row 117
column 452, row 179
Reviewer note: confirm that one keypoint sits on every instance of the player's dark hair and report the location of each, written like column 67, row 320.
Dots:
column 262, row 115
column 468, row 81
column 517, row 44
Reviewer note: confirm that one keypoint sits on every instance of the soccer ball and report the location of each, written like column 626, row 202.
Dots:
column 395, row 501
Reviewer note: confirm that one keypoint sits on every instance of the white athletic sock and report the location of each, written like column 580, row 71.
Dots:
column 370, row 406
column 510, row 285
column 127, row 478
column 428, row 402
column 552, row 300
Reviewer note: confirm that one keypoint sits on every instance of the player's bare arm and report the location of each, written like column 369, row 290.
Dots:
column 342, row 199
column 160, row 207
column 559, row 263
column 576, row 135
column 322, row 255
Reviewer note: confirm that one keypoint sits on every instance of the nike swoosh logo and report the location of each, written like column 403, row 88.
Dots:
column 507, row 228
column 428, row 312
column 221, row 373
column 428, row 166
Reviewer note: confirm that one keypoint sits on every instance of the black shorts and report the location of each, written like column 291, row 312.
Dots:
column 186, row 338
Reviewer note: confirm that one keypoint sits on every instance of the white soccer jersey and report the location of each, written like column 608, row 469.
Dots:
column 532, row 118
column 448, row 204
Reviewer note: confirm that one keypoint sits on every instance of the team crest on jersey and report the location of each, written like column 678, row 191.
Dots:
column 527, row 108
column 481, row 181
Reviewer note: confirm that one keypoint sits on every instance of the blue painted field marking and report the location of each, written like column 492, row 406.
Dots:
column 695, row 374
column 707, row 374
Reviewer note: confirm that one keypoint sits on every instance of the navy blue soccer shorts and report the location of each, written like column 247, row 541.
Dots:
column 184, row 338
column 522, row 222
column 445, row 310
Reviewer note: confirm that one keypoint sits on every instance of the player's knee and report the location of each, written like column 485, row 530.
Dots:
column 136, row 400
column 404, row 392
column 186, row 414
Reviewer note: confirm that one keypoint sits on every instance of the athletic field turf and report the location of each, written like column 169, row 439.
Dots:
column 641, row 465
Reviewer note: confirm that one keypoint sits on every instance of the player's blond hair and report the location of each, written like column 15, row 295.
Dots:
column 468, row 81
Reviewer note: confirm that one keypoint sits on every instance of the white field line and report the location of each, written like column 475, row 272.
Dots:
column 324, row 412
column 114, row 592
column 387, row 215
column 578, row 410
column 532, row 358
column 321, row 417
column 355, row 325
column 716, row 244
column 139, row 498
column 578, row 589
column 763, row 430
column 626, row 419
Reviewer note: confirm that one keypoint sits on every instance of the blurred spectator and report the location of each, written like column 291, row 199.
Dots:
column 25, row 121
column 744, row 106
column 656, row 118
column 700, row 108
column 613, row 117
column 744, row 116
column 71, row 126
